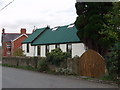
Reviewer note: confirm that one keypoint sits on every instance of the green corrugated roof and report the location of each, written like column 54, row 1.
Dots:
column 35, row 34
column 60, row 36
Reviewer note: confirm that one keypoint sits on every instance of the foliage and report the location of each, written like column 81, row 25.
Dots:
column 18, row 52
column 20, row 67
column 98, row 27
column 113, row 61
column 113, row 58
column 42, row 64
column 56, row 56
column 64, row 71
column 92, row 25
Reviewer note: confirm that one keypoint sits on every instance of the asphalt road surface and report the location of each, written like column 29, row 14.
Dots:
column 17, row 78
column 0, row 77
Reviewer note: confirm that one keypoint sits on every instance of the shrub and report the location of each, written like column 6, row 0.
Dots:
column 113, row 62
column 42, row 65
column 64, row 71
column 56, row 56
column 18, row 52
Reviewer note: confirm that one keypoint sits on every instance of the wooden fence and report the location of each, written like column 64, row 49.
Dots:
column 91, row 64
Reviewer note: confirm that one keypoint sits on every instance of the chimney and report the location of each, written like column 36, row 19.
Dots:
column 34, row 29
column 3, row 31
column 23, row 31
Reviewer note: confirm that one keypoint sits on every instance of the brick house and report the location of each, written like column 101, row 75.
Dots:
column 12, row 41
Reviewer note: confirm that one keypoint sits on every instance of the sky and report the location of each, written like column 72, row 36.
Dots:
column 38, row 13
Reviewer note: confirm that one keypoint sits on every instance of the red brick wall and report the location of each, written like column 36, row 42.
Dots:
column 18, row 43
column 5, row 49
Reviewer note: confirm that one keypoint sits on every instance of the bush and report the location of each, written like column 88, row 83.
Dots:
column 42, row 65
column 64, row 71
column 18, row 52
column 113, row 62
column 56, row 56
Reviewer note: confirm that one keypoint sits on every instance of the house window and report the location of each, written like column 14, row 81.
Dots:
column 47, row 49
column 38, row 50
column 69, row 48
column 27, row 48
column 57, row 46
column 8, row 45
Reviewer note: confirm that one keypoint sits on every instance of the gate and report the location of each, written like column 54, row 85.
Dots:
column 91, row 64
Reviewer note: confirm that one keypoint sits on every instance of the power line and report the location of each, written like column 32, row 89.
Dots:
column 7, row 5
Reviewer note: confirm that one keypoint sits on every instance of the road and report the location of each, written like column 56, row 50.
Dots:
column 17, row 78
column 0, row 77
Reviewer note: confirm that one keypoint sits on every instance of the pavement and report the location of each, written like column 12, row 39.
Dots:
column 18, row 78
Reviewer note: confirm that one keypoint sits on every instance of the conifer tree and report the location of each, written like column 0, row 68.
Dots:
column 91, row 24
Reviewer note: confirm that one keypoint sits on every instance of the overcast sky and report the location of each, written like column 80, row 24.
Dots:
column 39, row 13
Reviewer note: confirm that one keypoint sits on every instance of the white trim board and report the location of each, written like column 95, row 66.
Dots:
column 19, row 37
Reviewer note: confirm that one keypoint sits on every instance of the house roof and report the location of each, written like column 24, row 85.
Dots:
column 20, row 37
column 6, row 37
column 59, row 35
column 33, row 36
column 9, row 37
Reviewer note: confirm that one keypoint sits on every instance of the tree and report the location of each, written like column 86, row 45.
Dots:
column 98, row 27
column 113, row 61
column 91, row 24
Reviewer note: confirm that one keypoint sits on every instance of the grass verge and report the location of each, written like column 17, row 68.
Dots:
column 20, row 67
